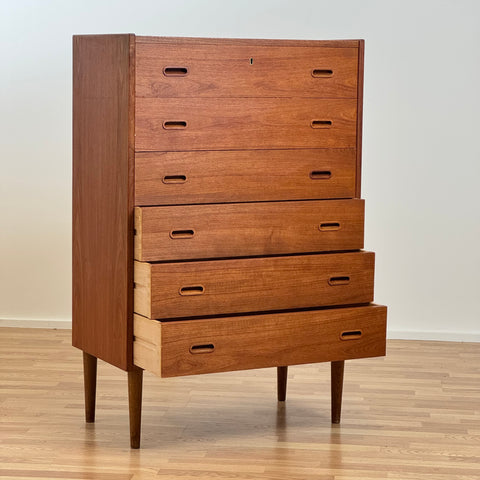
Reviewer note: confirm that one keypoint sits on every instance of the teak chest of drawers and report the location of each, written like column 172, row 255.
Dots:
column 217, row 219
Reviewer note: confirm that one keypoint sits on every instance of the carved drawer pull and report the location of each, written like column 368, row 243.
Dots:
column 174, row 179
column 320, row 174
column 321, row 123
column 175, row 125
column 351, row 335
column 192, row 290
column 322, row 73
column 175, row 71
column 334, row 281
column 203, row 348
column 189, row 233
column 329, row 226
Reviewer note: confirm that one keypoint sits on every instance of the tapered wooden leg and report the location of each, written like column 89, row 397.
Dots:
column 282, row 373
column 90, row 385
column 135, row 381
column 337, row 389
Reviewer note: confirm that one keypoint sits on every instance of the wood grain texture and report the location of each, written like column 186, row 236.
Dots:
column 220, row 70
column 282, row 377
column 252, row 284
column 412, row 415
column 135, row 386
column 361, row 62
column 195, row 41
column 247, row 229
column 243, row 175
column 336, row 386
column 260, row 341
column 244, row 123
column 90, row 385
column 103, row 196
column 142, row 284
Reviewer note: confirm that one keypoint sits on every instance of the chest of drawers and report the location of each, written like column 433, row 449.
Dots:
column 217, row 219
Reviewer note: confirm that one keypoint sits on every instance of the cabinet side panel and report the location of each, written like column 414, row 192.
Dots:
column 358, row 182
column 103, row 197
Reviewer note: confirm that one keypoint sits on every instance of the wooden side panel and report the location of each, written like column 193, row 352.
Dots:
column 221, row 70
column 358, row 186
column 180, row 124
column 255, row 284
column 103, row 68
column 163, row 178
column 247, row 229
column 259, row 341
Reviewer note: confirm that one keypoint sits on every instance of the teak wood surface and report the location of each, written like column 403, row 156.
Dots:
column 282, row 42
column 247, row 229
column 252, row 284
column 103, row 201
column 358, row 176
column 244, row 123
column 103, row 135
column 163, row 178
column 183, row 70
column 259, row 341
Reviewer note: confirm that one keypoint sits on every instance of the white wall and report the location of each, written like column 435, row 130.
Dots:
column 421, row 145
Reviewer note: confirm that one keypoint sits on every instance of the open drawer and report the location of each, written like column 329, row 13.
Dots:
column 189, row 347
column 242, row 285
column 247, row 229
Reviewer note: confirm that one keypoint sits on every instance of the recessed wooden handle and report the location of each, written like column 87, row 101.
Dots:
column 192, row 290
column 334, row 281
column 351, row 334
column 188, row 233
column 329, row 226
column 174, row 179
column 175, row 71
column 202, row 348
column 175, row 125
column 321, row 123
column 322, row 72
column 320, row 174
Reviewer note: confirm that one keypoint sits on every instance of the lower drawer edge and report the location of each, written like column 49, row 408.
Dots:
column 190, row 347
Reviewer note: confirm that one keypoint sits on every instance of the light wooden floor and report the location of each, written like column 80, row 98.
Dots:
column 413, row 415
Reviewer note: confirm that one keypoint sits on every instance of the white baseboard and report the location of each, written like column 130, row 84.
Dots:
column 36, row 323
column 435, row 336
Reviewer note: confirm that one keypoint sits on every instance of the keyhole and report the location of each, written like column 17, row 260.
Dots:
column 251, row 61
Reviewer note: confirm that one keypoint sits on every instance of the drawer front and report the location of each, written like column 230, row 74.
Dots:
column 178, row 124
column 168, row 290
column 245, row 71
column 247, row 229
column 163, row 178
column 223, row 344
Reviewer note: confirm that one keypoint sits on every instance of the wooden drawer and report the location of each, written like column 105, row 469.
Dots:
column 191, row 347
column 180, row 124
column 184, row 289
column 164, row 70
column 247, row 229
column 163, row 178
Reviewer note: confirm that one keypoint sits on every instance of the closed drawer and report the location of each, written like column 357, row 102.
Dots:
column 191, row 347
column 179, row 124
column 184, row 289
column 163, row 178
column 245, row 71
column 247, row 229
